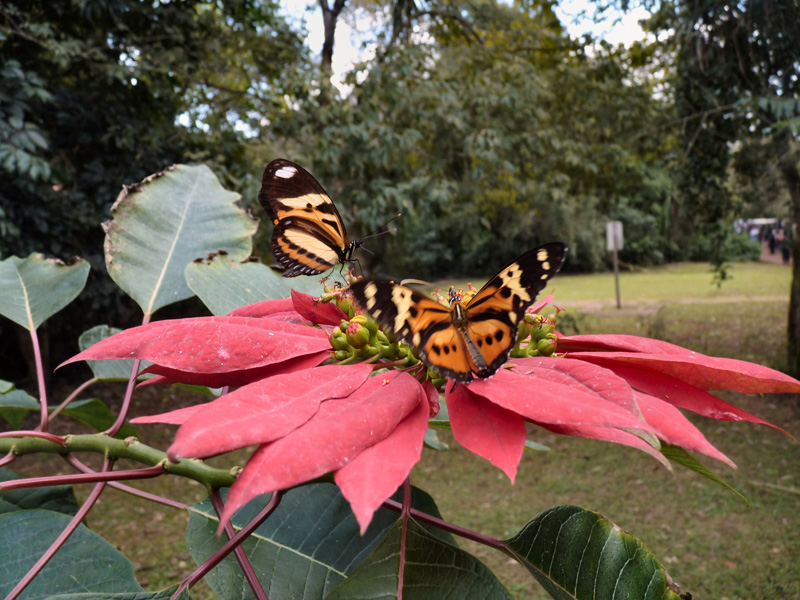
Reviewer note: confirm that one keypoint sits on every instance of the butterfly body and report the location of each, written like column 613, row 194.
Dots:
column 309, row 237
column 471, row 337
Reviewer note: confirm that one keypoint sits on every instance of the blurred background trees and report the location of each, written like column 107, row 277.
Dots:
column 485, row 123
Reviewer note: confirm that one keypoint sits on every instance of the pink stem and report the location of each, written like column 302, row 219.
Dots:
column 72, row 397
column 105, row 476
column 75, row 462
column 445, row 526
column 241, row 556
column 126, row 402
column 37, row 355
column 63, row 536
column 236, row 540
column 56, row 439
column 7, row 458
column 405, row 512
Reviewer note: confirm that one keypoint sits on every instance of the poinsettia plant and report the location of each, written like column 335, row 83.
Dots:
column 338, row 413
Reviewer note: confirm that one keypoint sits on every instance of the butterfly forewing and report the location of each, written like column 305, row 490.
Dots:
column 417, row 321
column 309, row 235
column 469, row 338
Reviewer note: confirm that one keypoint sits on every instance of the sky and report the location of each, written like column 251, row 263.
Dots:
column 616, row 29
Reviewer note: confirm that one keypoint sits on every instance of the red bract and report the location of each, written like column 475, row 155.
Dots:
column 309, row 420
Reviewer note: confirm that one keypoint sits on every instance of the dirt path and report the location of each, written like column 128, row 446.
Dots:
column 771, row 258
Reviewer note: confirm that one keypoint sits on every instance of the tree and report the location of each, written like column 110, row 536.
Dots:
column 735, row 83
column 104, row 92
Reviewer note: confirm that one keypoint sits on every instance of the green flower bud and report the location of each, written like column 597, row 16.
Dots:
column 357, row 334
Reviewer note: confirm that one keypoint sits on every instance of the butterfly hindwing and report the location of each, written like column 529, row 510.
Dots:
column 470, row 338
column 309, row 235
column 494, row 313
column 418, row 321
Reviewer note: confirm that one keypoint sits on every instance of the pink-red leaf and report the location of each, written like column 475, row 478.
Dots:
column 701, row 371
column 210, row 344
column 234, row 378
column 376, row 473
column 544, row 401
column 676, row 429
column 260, row 412
column 618, row 343
column 264, row 309
column 323, row 313
column 581, row 375
column 683, row 395
column 486, row 429
column 607, row 434
column 335, row 435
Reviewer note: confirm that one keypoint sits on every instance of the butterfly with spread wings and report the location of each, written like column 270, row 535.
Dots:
column 309, row 236
column 464, row 340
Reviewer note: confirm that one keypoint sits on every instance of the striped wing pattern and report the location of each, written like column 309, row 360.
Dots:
column 309, row 236
column 464, row 340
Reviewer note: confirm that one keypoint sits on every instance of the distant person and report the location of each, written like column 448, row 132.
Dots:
column 780, row 238
column 771, row 239
column 786, row 246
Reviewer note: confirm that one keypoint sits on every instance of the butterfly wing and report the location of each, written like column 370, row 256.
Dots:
column 309, row 236
column 420, row 322
column 494, row 313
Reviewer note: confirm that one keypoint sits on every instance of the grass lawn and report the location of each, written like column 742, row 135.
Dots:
column 713, row 544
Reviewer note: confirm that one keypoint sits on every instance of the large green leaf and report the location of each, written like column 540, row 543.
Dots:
column 35, row 288
column 224, row 284
column 162, row 224
column 577, row 554
column 58, row 498
column 303, row 550
column 108, row 370
column 15, row 404
column 433, row 569
column 94, row 413
column 162, row 595
column 85, row 563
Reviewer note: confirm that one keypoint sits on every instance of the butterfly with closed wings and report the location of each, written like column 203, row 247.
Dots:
column 464, row 340
column 309, row 236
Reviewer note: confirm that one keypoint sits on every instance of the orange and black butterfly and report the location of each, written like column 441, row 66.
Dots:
column 309, row 236
column 467, row 339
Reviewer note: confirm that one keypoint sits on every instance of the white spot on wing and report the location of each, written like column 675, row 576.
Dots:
column 286, row 172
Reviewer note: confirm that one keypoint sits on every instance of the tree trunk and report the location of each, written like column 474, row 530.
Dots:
column 791, row 174
column 329, row 17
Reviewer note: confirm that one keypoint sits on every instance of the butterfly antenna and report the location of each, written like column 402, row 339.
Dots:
column 374, row 234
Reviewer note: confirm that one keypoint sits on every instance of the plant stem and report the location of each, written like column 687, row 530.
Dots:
column 449, row 527
column 37, row 434
column 220, row 554
column 126, row 401
column 95, row 477
column 404, row 513
column 63, row 536
column 75, row 462
column 241, row 556
column 72, row 397
column 37, row 355
column 129, row 448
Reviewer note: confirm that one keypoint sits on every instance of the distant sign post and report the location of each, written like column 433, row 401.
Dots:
column 614, row 245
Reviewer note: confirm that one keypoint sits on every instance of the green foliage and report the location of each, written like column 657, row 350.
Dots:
column 490, row 148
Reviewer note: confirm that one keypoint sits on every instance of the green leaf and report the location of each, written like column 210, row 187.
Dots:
column 162, row 224
column 85, row 563
column 576, row 554
column 105, row 370
column 312, row 532
column 433, row 569
column 58, row 498
column 682, row 457
column 15, row 404
column 35, row 288
column 94, row 413
column 224, row 284
column 162, row 595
